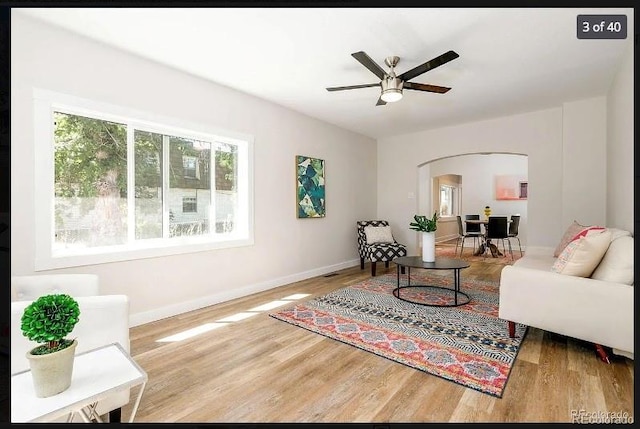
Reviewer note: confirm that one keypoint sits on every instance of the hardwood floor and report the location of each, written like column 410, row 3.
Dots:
column 264, row 370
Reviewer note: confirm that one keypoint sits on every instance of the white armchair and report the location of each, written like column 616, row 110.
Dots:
column 28, row 288
column 104, row 319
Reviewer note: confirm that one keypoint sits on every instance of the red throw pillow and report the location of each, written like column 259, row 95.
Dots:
column 590, row 230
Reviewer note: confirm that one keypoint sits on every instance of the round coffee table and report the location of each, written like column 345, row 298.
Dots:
column 440, row 264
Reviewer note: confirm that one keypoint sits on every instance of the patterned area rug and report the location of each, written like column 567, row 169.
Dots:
column 449, row 251
column 468, row 345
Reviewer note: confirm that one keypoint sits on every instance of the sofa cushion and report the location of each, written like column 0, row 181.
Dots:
column 582, row 256
column 616, row 233
column 536, row 261
column 617, row 263
column 568, row 235
column 378, row 234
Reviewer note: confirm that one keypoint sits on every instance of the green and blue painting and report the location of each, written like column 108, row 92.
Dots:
column 310, row 192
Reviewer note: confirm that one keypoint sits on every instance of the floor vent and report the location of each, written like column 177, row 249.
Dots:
column 331, row 274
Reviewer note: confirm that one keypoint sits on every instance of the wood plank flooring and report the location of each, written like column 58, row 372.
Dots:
column 264, row 370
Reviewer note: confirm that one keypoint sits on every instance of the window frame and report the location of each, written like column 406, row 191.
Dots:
column 45, row 102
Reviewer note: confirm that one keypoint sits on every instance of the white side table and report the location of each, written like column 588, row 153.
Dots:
column 97, row 374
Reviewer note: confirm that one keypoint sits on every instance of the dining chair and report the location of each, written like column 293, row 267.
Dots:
column 497, row 229
column 462, row 235
column 513, row 230
column 474, row 228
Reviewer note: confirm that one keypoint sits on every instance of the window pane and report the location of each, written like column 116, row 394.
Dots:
column 446, row 200
column 226, row 187
column 90, row 182
column 189, row 205
column 190, row 166
column 148, row 184
column 524, row 189
column 189, row 177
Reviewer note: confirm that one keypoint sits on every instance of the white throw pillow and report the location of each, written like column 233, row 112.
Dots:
column 617, row 264
column 378, row 234
column 582, row 256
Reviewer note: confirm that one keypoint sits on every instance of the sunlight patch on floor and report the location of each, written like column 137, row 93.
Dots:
column 189, row 333
column 237, row 317
column 297, row 296
column 269, row 305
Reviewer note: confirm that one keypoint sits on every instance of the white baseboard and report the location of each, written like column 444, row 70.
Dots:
column 227, row 295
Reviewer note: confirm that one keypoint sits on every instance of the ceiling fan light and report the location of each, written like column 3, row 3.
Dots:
column 391, row 95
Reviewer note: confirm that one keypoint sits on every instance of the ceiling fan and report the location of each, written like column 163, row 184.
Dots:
column 393, row 85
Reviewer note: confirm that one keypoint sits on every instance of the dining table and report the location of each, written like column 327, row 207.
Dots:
column 486, row 244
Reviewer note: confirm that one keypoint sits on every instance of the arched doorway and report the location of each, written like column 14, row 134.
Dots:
column 474, row 181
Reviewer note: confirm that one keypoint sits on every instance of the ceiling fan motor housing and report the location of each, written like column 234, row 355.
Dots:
column 391, row 83
column 391, row 89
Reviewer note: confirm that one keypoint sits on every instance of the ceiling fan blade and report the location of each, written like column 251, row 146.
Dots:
column 366, row 61
column 381, row 102
column 425, row 87
column 429, row 65
column 340, row 88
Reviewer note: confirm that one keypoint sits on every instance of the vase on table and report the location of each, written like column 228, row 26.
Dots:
column 487, row 212
column 428, row 246
column 52, row 372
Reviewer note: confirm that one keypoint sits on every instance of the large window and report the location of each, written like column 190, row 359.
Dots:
column 121, row 187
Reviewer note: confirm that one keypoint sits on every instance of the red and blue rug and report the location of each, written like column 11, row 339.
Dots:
column 468, row 345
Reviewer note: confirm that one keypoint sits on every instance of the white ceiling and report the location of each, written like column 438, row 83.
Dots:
column 511, row 60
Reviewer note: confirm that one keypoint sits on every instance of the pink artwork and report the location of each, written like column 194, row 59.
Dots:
column 511, row 187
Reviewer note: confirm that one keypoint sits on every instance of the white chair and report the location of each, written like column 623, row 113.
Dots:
column 104, row 319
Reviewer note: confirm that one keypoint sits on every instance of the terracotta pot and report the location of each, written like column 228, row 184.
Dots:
column 52, row 372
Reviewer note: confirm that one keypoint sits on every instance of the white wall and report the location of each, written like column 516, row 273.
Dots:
column 620, row 177
column 555, row 198
column 536, row 134
column 478, row 184
column 286, row 249
column 584, row 169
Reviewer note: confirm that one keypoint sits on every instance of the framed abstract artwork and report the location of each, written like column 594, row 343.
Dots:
column 512, row 187
column 310, row 190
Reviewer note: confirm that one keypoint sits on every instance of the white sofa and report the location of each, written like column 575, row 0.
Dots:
column 104, row 319
column 598, row 309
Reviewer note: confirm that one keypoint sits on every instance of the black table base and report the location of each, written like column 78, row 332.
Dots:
column 459, row 297
column 456, row 303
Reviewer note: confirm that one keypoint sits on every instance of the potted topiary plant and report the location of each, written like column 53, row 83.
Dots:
column 48, row 320
column 428, row 228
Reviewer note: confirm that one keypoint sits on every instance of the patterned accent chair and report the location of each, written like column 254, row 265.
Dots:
column 377, row 252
